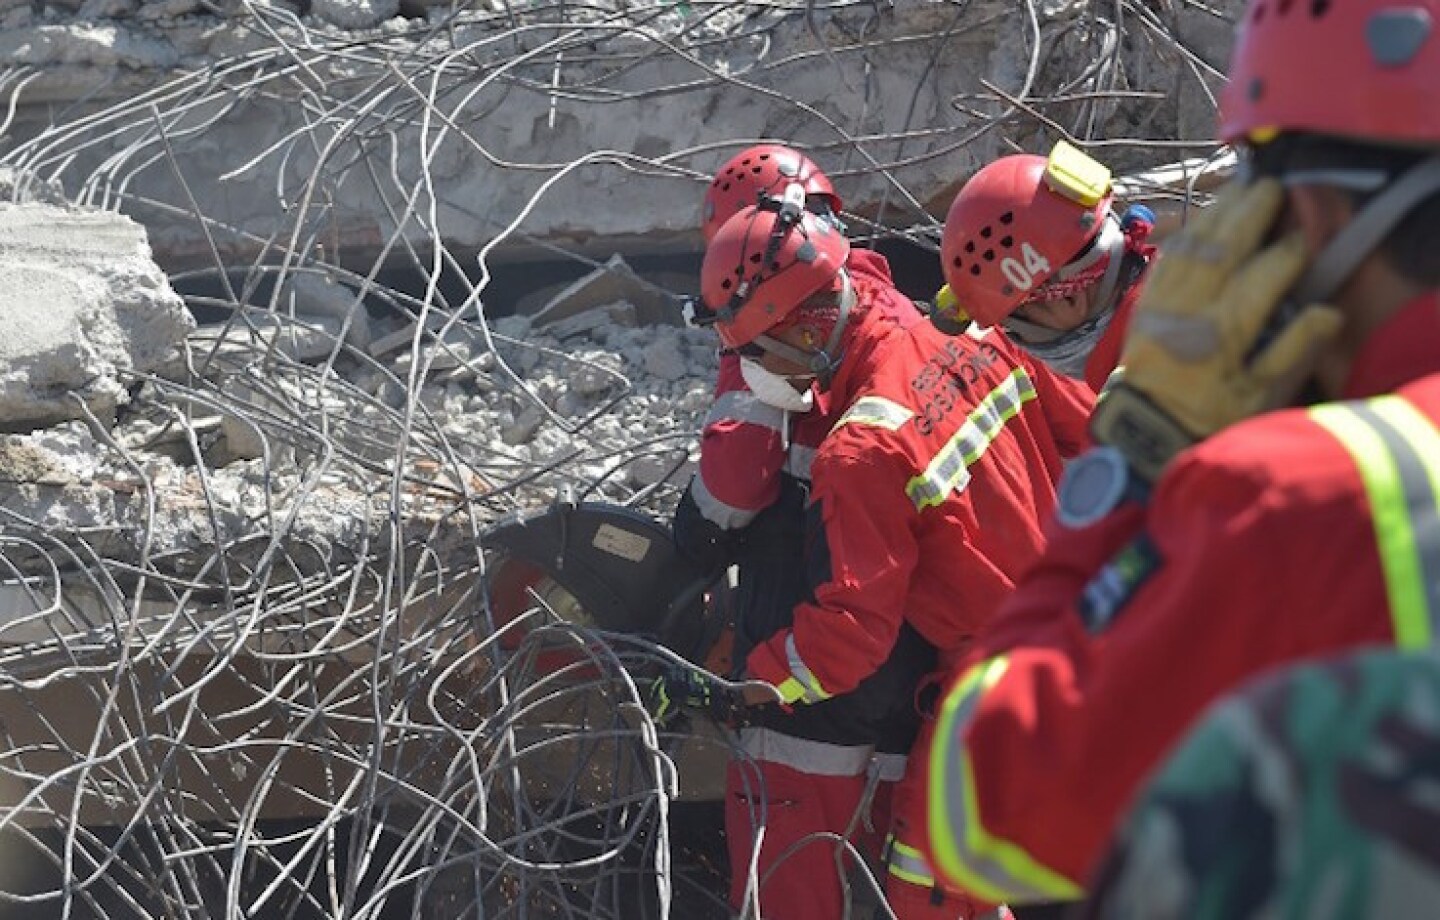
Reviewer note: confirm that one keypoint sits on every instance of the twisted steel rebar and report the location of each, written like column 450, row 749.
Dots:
column 249, row 665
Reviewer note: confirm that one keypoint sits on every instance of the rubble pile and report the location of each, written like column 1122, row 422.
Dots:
column 83, row 304
column 241, row 577
column 276, row 420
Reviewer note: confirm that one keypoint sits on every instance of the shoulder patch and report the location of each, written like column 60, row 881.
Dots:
column 1112, row 587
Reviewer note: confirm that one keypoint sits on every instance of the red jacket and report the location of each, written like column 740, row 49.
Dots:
column 1257, row 548
column 1106, row 356
column 931, row 489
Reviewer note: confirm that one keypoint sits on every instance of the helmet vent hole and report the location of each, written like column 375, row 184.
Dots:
column 764, row 156
column 970, row 246
column 958, row 262
column 756, row 257
column 989, row 255
column 726, row 285
column 1319, row 8
column 1006, row 289
column 985, row 232
column 1007, row 218
column 1007, row 241
column 975, row 269
column 1283, row 7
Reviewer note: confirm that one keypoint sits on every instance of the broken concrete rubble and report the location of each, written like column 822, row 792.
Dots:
column 612, row 283
column 271, row 424
column 85, row 309
column 301, row 495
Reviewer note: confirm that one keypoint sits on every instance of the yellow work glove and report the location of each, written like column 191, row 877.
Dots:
column 1189, row 367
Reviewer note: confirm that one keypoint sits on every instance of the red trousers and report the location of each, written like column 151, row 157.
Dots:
column 910, row 884
column 791, row 806
column 806, row 883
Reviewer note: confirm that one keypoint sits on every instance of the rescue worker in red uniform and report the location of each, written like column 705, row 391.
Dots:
column 1033, row 244
column 935, row 435
column 745, row 507
column 751, row 442
column 1210, row 539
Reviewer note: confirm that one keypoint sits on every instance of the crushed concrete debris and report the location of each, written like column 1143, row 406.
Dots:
column 308, row 475
column 84, row 306
column 612, row 283
column 311, row 294
column 650, row 386
column 355, row 14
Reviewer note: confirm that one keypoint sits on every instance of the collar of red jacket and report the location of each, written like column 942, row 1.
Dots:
column 889, row 311
column 1404, row 348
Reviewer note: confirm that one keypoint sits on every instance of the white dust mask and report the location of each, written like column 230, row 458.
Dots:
column 773, row 389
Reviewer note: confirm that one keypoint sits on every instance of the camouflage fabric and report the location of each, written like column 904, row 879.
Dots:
column 1313, row 793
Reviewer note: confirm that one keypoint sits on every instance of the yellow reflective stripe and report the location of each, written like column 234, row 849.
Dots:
column 1397, row 452
column 992, row 868
column 949, row 471
column 877, row 412
column 790, row 690
column 1416, row 445
column 908, row 864
column 811, row 690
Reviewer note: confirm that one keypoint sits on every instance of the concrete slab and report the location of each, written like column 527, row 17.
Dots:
column 82, row 304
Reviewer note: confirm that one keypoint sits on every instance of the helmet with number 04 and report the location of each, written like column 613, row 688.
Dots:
column 1018, row 221
column 763, row 264
column 765, row 169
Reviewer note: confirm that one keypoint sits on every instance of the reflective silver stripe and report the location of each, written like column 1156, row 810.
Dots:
column 888, row 768
column 949, row 471
column 1396, row 450
column 877, row 412
column 813, row 691
column 1418, row 476
column 799, row 460
column 908, row 864
column 817, row 757
column 994, row 869
column 744, row 406
column 717, row 512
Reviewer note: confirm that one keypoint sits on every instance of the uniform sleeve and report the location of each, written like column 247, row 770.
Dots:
column 1053, row 722
column 742, row 452
column 862, row 551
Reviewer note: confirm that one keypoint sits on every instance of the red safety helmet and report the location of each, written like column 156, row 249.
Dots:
column 763, row 264
column 764, row 169
column 1364, row 69
column 1015, row 223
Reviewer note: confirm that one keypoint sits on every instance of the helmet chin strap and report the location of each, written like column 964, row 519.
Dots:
column 1334, row 264
column 825, row 362
column 1337, row 261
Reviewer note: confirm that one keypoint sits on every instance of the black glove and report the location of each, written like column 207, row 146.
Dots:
column 685, row 688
